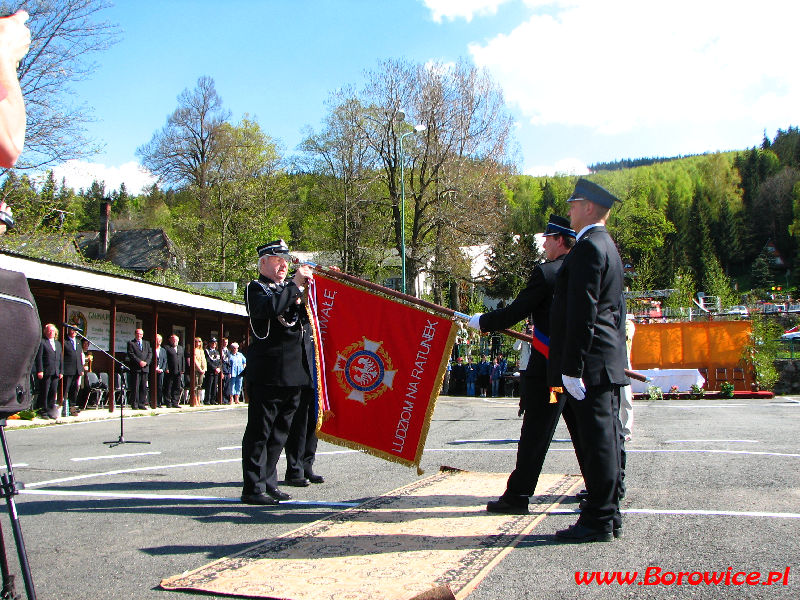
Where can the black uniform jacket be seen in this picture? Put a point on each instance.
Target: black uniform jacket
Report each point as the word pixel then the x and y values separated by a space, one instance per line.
pixel 533 301
pixel 281 349
pixel 587 320
pixel 72 357
pixel 48 361
pixel 175 361
pixel 135 355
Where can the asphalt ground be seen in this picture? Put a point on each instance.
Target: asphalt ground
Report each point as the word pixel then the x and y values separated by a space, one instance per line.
pixel 712 486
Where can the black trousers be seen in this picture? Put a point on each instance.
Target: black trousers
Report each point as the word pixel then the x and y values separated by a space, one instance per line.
pixel 269 418
pixel 173 384
pixel 538 426
pixel 137 388
pixel 211 387
pixel 160 389
pixel 48 393
pixel 71 388
pixel 301 445
pixel 599 433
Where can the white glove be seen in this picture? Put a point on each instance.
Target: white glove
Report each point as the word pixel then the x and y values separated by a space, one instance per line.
pixel 574 386
pixel 475 321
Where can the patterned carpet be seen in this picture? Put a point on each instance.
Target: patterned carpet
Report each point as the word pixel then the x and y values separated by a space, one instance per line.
pixel 430 539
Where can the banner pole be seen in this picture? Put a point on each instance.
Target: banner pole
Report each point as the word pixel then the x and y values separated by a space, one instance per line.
pixel 449 312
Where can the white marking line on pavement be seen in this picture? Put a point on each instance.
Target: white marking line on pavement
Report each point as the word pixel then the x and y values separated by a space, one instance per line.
pixel 120 495
pixel 112 456
pixel 641 450
pixel 480 440
pixel 15 465
pixel 713 513
pixel 135 470
pixel 690 406
pixel 223 448
pixel 691 441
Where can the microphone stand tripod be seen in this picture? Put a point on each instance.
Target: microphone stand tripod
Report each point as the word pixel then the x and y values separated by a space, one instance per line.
pixel 9 490
pixel 123 369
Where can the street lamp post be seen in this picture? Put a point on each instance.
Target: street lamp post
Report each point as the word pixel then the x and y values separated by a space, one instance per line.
pixel 417 129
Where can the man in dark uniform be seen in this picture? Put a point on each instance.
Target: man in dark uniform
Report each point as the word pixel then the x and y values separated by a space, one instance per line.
pixel 214 363
pixel 301 445
pixel 73 369
pixel 139 357
pixel 49 369
pixel 278 369
pixel 588 357
pixel 540 416
pixel 173 373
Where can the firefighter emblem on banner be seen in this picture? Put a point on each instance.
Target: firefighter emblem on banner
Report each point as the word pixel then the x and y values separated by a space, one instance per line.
pixel 364 371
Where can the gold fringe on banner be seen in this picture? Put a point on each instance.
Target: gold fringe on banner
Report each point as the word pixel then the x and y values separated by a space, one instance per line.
pixel 437 387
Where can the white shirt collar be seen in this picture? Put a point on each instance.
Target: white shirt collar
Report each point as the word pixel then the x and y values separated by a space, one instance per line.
pixel 587 228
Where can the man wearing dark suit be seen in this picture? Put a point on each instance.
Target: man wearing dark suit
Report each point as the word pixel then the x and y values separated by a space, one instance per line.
pixel 49 369
pixel 161 364
pixel 540 416
pixel 139 358
pixel 213 372
pixel 278 369
pixel 73 369
pixel 173 373
pixel 588 358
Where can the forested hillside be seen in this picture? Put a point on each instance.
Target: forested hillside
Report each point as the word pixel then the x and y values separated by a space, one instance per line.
pixel 706 222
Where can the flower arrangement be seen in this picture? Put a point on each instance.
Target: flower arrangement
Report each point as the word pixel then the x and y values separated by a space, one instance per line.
pixel 726 390
pixel 654 393
pixel 697 391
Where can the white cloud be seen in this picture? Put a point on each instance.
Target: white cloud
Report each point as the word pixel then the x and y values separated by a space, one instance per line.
pixel 463 9
pixel 565 166
pixel 81 174
pixel 619 65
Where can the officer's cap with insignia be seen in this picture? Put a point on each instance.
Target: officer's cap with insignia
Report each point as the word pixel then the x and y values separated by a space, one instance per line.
pixel 274 248
pixel 588 190
pixel 558 226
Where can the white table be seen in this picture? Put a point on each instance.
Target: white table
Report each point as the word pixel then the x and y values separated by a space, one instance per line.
pixel 666 378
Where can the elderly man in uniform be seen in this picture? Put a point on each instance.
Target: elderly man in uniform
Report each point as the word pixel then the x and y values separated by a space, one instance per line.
pixel 588 358
pixel 540 416
pixel 278 370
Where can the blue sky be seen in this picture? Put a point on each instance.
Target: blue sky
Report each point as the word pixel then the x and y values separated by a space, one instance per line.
pixel 587 81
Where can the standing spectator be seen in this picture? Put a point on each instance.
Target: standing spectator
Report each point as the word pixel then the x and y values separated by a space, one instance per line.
pixel 225 353
pixel 200 367
pixel 173 374
pixel 280 358
pixel 139 358
pixel 495 375
pixel 587 357
pixel 49 367
pixel 214 363
pixel 471 376
pixel 484 370
pixel 73 368
pixel 458 378
pixel 161 366
pixel 626 393
pixel 236 364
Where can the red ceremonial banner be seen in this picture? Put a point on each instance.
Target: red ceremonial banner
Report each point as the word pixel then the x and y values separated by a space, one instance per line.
pixel 382 365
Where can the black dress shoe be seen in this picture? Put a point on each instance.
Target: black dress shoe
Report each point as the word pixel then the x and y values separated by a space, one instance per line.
pixel 297 482
pixel 582 495
pixel 506 508
pixel 313 478
pixel 277 494
pixel 580 533
pixel 259 499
